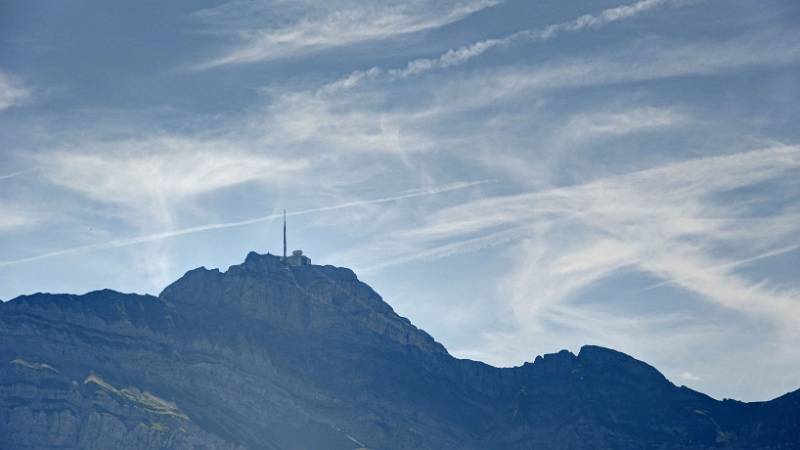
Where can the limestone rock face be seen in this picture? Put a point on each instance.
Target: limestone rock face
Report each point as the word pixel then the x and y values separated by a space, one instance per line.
pixel 270 356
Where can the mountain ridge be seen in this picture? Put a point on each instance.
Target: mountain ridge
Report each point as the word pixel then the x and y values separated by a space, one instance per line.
pixel 266 355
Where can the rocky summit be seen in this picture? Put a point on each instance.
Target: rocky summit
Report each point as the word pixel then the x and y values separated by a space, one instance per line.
pixel 271 356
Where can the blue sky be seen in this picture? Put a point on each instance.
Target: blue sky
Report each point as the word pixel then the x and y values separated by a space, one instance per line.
pixel 516 177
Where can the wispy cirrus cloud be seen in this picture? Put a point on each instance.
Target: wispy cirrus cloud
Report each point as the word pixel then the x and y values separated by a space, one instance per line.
pixel 135 173
pixel 145 183
pixel 15 174
pixel 13 91
pixel 356 119
pixel 618 123
pixel 667 221
pixel 684 223
pixel 160 236
pixel 640 62
pixel 148 176
pixel 461 55
pixel 14 217
pixel 309 26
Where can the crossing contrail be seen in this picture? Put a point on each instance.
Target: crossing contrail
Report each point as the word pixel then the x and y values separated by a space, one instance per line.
pixel 116 243
pixel 733 264
pixel 15 174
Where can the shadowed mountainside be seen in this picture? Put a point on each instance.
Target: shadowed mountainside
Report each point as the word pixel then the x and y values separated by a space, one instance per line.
pixel 268 356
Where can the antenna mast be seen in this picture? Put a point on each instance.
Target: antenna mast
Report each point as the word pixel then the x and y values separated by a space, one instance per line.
pixel 284 235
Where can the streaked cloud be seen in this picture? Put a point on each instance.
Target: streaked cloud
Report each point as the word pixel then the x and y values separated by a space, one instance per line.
pixel 147 182
pixel 117 243
pixel 461 55
pixel 136 172
pixel 638 63
pixel 309 26
pixel 15 174
pixel 13 218
pixel 664 221
pixel 624 122
pixel 13 91
pixel 678 223
pixel 357 120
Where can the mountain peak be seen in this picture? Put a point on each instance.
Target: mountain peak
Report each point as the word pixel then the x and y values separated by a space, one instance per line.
pixel 287 355
pixel 606 360
pixel 264 292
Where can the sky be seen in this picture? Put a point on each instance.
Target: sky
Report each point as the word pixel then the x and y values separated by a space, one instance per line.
pixel 516 177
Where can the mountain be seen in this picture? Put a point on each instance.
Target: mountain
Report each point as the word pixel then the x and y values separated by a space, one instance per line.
pixel 270 356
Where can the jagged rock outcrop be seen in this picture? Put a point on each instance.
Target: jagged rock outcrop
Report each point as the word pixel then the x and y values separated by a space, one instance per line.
pixel 267 356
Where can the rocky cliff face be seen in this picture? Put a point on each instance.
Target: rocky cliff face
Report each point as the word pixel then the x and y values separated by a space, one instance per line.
pixel 266 356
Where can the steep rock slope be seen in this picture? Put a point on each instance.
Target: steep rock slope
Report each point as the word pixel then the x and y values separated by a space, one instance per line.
pixel 267 356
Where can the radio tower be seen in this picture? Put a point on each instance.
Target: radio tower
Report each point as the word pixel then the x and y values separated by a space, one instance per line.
pixel 284 235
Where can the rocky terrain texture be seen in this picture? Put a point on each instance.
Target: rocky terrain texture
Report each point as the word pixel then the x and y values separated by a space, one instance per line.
pixel 267 356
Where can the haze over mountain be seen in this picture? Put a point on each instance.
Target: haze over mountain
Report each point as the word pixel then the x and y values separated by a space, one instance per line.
pixel 268 355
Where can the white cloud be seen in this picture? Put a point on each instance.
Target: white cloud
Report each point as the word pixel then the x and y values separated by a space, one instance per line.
pixel 135 173
pixel 15 174
pixel 352 124
pixel 13 92
pixel 606 16
pixel 314 26
pixel 461 55
pixel 147 181
pixel 13 218
pixel 664 221
pixel 342 118
pixel 615 123
pixel 163 235
pixel 642 61
pixel 675 222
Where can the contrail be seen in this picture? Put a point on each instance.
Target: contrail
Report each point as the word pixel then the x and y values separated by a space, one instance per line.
pixel 216 226
pixel 733 264
pixel 459 56
pixel 14 174
pixel 455 248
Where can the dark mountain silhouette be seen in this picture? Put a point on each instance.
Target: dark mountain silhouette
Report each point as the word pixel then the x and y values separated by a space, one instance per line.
pixel 267 356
